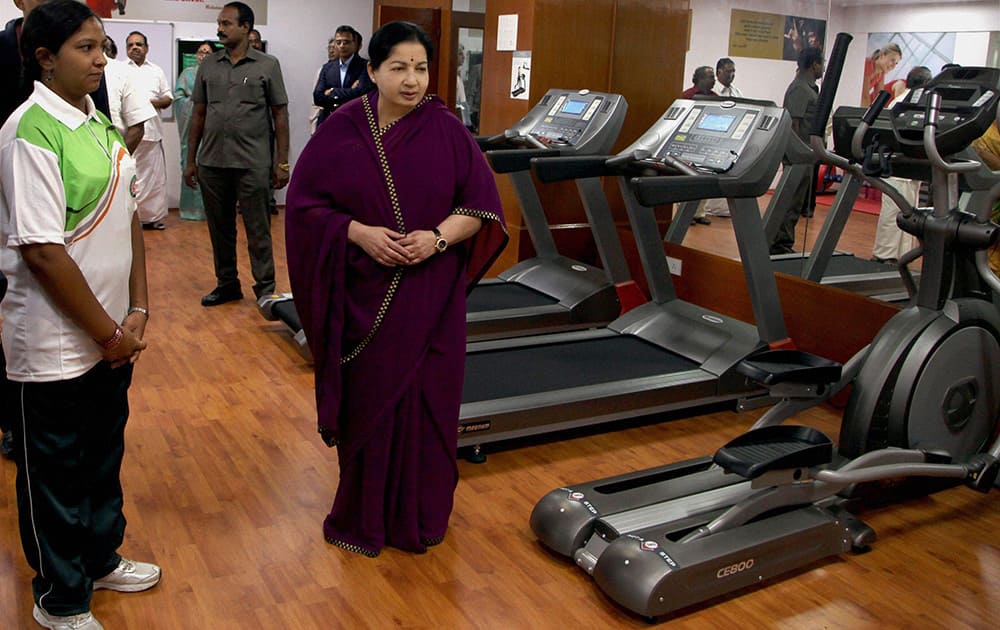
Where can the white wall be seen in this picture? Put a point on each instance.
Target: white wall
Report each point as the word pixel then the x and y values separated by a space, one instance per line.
pixel 296 33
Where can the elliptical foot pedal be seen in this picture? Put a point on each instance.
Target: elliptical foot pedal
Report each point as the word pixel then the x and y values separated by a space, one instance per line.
pixel 774 448
pixel 772 367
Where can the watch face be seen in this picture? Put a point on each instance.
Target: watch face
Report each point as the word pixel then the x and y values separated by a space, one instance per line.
pixel 441 244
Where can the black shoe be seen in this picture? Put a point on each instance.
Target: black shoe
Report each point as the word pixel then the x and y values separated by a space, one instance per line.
pixel 885 261
pixel 807 213
pixel 701 221
pixel 155 225
pixel 221 295
pixel 7 445
pixel 779 250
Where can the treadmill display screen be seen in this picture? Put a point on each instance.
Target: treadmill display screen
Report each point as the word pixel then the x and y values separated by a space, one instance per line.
pixel 716 122
pixel 573 108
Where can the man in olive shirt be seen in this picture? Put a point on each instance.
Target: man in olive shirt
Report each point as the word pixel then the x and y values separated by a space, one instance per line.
pixel 237 93
pixel 800 102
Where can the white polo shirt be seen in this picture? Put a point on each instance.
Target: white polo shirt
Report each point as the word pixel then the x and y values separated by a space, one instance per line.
pixel 67 178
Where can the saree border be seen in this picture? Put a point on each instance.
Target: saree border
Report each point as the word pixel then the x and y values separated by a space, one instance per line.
pixel 397 212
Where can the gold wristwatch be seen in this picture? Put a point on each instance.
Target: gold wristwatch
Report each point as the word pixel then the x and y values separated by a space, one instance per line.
pixel 440 244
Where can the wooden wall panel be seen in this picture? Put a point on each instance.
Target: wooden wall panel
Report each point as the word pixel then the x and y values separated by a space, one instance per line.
pixel 498 111
pixel 651 40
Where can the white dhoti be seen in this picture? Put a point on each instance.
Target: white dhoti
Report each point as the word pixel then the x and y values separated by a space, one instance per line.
pixel 890 241
pixel 151 181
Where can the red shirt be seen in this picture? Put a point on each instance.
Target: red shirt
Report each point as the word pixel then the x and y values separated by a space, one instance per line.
pixel 691 91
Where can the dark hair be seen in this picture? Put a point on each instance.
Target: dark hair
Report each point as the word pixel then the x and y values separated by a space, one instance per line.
pixel 344 28
pixel 388 35
pixel 700 73
pixel 48 26
pixel 722 63
pixel 245 14
pixel 145 42
pixel 206 42
pixel 253 30
pixel 809 56
pixel 112 45
pixel 917 76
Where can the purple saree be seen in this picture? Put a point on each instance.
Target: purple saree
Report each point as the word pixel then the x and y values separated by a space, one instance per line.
pixel 388 343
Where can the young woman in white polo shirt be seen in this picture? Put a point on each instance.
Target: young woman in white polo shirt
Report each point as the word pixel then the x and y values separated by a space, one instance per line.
pixel 74 316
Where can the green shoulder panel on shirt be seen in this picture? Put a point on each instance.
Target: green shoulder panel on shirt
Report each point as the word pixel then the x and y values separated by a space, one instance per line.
pixel 84 164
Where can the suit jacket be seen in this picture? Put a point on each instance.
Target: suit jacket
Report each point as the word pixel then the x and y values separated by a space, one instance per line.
pixel 13 92
pixel 329 77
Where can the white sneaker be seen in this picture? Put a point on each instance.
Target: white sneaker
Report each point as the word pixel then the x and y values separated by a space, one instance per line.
pixel 130 576
pixel 83 621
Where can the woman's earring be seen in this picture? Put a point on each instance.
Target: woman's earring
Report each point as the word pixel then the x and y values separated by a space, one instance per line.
pixel 48 77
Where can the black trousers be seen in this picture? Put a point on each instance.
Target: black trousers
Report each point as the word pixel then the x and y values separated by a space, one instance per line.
pixel 69 441
pixel 222 189
pixel 803 202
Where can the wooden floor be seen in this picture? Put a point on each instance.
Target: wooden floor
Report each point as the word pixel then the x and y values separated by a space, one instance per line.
pixel 227 484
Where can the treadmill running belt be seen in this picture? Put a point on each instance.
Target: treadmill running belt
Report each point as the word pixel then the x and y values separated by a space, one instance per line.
pixel 838 266
pixel 550 367
pixel 508 295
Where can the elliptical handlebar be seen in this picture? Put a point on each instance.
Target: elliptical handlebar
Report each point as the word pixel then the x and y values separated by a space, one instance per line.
pixel 825 106
pixel 833 70
pixel 930 144
pixel 858 139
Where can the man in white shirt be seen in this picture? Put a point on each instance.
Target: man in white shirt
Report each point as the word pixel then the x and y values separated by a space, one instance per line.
pixel 725 72
pixel 129 109
pixel 151 170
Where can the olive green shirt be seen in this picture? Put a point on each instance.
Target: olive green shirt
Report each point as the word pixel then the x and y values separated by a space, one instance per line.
pixel 238 102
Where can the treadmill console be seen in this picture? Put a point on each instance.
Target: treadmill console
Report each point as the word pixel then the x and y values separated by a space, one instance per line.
pixel 575 121
pixel 710 136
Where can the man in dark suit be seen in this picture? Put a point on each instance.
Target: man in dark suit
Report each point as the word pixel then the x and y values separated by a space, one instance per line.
pixel 346 77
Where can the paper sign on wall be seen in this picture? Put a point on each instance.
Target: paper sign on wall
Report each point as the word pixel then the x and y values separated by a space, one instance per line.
pixel 507 32
pixel 520 75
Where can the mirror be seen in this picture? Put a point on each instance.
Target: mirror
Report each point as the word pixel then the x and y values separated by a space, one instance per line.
pixel 469 76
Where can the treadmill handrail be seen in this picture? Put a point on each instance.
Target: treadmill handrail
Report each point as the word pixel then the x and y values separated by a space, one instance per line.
pixel 658 190
pixel 513 160
pixel 564 167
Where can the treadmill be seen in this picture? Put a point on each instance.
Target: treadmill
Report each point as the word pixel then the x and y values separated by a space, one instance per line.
pixel 550 292
pixel 824 264
pixel 666 354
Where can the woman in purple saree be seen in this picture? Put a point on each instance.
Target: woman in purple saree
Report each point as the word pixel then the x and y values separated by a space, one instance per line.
pixel 392 216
